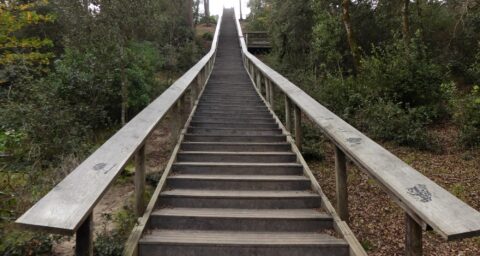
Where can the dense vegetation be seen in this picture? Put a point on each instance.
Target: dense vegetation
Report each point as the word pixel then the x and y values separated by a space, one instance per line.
pixel 71 73
pixel 391 68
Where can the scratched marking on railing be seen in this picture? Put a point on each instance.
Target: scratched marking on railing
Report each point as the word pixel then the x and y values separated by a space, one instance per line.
pixel 354 141
pixel 421 193
pixel 101 166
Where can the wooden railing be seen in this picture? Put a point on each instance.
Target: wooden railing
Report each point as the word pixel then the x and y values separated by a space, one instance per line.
pixel 257 40
pixel 426 204
pixel 67 208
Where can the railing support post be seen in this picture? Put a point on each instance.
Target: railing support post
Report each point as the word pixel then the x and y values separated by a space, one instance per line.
pixel 272 95
pixel 288 114
pixel 341 184
pixel 267 90
pixel 139 181
pixel 298 127
pixel 84 238
pixel 259 81
pixel 413 237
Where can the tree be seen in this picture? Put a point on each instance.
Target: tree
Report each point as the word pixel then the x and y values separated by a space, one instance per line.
pixel 350 35
pixel 206 5
pixel 22 54
pixel 406 21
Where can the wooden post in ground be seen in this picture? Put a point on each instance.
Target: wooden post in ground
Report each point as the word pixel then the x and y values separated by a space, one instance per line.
pixel 298 127
pixel 84 238
pixel 272 95
pixel 288 114
pixel 413 237
pixel 341 184
pixel 259 82
pixel 140 181
pixel 267 90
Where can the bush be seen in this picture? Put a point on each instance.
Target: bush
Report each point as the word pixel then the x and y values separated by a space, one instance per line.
pixel 468 117
pixel 207 36
pixel 405 75
pixel 25 244
pixel 390 121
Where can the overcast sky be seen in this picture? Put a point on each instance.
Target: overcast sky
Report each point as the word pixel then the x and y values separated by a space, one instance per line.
pixel 216 6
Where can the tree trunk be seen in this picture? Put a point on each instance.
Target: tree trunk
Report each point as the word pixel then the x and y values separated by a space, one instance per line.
pixel 197 12
pixel 206 5
pixel 406 21
pixel 350 35
pixel 190 14
pixel 124 87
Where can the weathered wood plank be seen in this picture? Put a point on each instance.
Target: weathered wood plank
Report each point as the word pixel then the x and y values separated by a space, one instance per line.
pixel 341 184
pixel 69 203
pixel 413 237
pixel 139 181
pixel 84 238
pixel 446 214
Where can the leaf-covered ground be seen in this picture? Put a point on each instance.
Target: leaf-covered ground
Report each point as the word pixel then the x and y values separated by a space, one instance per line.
pixel 379 223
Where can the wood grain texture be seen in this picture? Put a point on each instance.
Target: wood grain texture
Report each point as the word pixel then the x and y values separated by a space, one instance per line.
pixel 442 211
pixel 69 203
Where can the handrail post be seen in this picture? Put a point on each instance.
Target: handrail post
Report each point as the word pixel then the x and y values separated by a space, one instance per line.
pixel 272 95
pixel 259 82
pixel 341 184
pixel 288 114
pixel 298 127
pixel 140 181
pixel 84 238
pixel 413 237
pixel 267 90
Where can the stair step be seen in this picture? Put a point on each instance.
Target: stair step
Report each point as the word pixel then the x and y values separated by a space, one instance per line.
pixel 264 114
pixel 236 146
pixel 233 131
pixel 234 112
pixel 233 119
pixel 212 243
pixel 195 198
pixel 306 220
pixel 238 182
pixel 238 168
pixel 245 157
pixel 234 138
pixel 233 125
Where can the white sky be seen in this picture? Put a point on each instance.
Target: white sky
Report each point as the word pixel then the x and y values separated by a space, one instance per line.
pixel 216 6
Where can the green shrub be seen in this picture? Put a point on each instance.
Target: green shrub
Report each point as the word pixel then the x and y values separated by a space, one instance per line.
pixel 208 36
pixel 312 144
pixel 390 121
pixel 22 243
pixel 468 117
pixel 211 20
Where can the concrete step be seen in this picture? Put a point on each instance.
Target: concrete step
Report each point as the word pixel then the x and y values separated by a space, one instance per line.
pixel 237 168
pixel 278 220
pixel 233 125
pixel 213 243
pixel 238 182
pixel 236 146
pixel 239 199
pixel 242 157
pixel 234 138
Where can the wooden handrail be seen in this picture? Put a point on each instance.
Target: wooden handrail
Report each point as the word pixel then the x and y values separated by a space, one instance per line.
pixel 70 203
pixel 425 202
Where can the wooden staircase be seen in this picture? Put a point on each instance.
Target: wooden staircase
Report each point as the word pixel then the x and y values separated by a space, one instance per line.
pixel 236 187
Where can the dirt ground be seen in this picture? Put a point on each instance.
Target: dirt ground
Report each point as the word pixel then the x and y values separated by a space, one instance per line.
pixel 378 222
pixel 158 151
